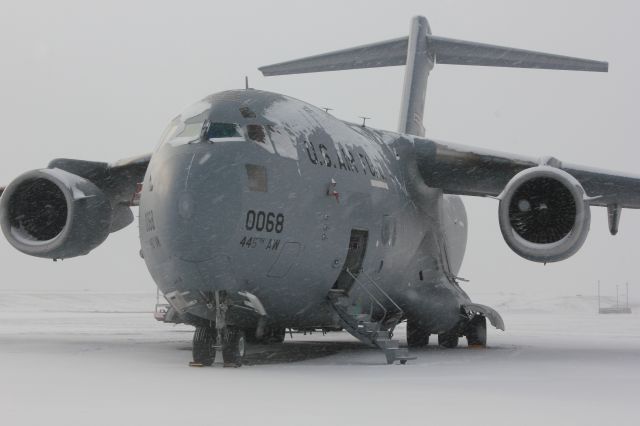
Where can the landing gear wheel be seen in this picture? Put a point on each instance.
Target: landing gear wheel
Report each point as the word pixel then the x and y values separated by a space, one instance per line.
pixel 234 348
pixel 417 336
pixel 477 332
pixel 448 340
pixel 203 351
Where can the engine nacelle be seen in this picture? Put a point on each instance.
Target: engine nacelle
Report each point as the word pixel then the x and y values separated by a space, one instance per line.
pixel 54 214
pixel 543 214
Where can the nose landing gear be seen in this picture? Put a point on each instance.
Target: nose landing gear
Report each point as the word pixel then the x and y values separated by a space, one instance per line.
pixel 233 349
pixel 210 337
pixel 230 341
pixel 204 351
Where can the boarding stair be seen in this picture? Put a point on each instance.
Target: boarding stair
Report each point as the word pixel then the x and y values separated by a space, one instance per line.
pixel 370 315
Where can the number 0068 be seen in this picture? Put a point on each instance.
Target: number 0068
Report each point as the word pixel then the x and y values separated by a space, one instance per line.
pixel 264 221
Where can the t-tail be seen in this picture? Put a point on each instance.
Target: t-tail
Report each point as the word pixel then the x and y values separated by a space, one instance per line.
pixel 420 51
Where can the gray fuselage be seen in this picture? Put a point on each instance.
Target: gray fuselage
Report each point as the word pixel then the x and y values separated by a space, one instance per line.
pixel 269 208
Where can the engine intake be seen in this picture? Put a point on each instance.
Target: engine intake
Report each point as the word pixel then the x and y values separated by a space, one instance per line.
pixel 543 214
pixel 54 214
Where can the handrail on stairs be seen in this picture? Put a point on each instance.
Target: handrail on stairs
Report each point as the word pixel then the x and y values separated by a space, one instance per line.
pixel 371 295
pixel 384 293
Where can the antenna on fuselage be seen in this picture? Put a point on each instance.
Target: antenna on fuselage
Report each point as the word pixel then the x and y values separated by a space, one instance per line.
pixel 364 121
pixel 327 109
pixel 246 82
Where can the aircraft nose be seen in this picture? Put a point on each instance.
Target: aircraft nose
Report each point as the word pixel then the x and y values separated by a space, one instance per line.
pixel 194 199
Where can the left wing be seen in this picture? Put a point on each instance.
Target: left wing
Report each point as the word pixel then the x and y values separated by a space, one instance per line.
pixel 544 211
pixel 465 170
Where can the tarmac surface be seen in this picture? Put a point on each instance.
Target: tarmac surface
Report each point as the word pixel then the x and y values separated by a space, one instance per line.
pixel 66 360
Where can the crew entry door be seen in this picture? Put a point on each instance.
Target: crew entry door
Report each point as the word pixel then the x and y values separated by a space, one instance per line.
pixel 354 260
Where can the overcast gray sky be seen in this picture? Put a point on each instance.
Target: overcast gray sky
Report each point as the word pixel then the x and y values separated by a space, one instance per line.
pixel 99 81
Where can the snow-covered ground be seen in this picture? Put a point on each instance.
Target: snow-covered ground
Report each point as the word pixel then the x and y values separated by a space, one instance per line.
pixel 101 359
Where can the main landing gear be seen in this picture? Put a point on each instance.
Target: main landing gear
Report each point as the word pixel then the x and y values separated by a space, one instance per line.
pixel 477 332
pixel 417 334
pixel 448 340
pixel 474 329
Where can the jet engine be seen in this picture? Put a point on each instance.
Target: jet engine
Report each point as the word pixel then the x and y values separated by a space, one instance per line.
pixel 544 214
pixel 54 214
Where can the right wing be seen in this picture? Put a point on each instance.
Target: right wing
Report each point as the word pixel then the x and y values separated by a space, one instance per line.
pixel 119 180
pixel 70 207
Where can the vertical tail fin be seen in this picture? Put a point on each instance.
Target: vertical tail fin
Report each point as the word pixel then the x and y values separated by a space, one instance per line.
pixel 419 52
pixel 419 63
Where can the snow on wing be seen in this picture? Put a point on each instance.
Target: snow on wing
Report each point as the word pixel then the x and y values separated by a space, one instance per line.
pixel 466 170
pixel 119 179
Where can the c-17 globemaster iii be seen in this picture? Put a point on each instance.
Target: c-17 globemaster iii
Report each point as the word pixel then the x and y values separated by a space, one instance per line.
pixel 259 212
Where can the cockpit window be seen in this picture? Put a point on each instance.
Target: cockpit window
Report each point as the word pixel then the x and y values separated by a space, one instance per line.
pixel 170 131
pixel 194 126
pixel 187 127
pixel 191 130
pixel 256 133
pixel 223 130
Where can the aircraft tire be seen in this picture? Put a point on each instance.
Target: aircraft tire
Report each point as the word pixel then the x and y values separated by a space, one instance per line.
pixel 448 340
pixel 477 331
pixel 234 348
pixel 203 340
pixel 417 336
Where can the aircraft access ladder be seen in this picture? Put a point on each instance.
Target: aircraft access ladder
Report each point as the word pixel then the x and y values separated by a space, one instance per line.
pixel 374 327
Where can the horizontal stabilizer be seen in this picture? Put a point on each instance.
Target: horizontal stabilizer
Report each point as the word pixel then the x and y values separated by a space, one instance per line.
pixel 442 50
pixel 383 54
pixel 459 52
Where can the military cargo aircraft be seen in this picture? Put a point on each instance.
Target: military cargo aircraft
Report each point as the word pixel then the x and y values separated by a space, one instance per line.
pixel 260 213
